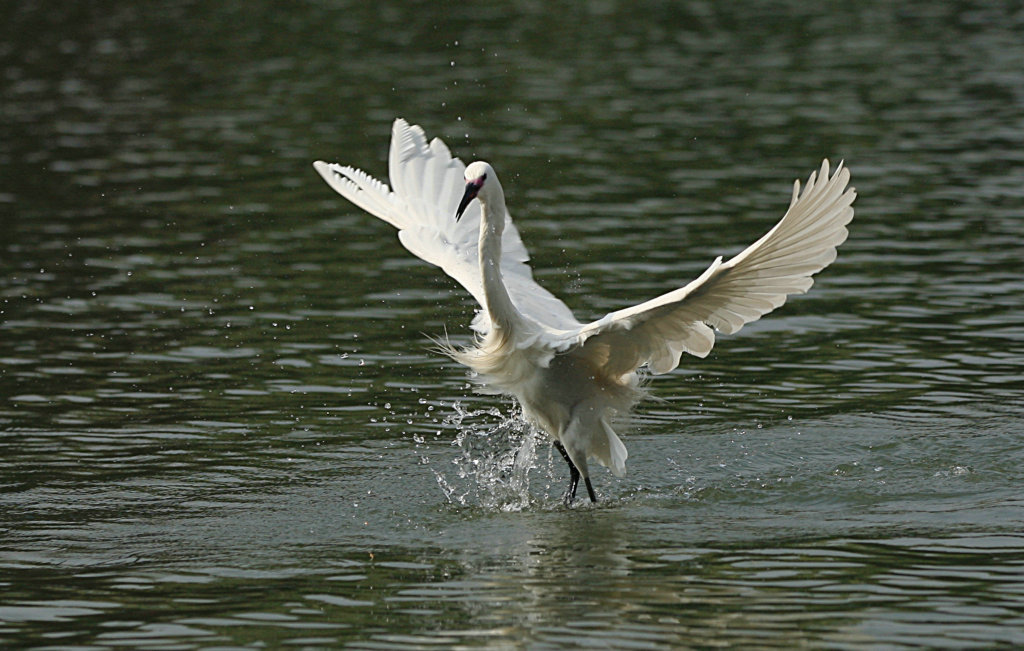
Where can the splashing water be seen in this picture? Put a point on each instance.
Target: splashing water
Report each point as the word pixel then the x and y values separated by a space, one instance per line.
pixel 492 469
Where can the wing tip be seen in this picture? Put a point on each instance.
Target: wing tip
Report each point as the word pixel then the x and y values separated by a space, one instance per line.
pixel 324 169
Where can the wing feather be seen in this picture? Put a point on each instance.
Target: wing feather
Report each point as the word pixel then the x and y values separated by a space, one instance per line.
pixel 427 184
pixel 727 296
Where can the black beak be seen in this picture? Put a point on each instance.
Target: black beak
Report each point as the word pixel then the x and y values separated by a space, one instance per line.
pixel 471 191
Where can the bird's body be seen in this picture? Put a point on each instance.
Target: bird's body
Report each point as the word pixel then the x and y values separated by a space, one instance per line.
pixel 572 379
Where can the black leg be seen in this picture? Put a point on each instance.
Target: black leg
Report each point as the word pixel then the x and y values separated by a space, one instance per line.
pixel 574 482
pixel 574 474
pixel 565 455
pixel 574 477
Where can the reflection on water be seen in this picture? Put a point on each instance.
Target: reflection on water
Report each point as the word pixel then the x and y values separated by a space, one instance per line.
pixel 220 423
pixel 574 581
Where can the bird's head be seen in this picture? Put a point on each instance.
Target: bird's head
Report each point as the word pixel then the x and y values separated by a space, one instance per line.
pixel 480 178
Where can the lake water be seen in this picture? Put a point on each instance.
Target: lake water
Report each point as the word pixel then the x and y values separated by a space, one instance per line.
pixel 221 424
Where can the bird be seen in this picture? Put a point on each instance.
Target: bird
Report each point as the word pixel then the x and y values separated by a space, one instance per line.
pixel 575 380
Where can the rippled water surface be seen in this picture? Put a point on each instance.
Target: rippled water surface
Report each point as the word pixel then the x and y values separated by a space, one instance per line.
pixel 221 423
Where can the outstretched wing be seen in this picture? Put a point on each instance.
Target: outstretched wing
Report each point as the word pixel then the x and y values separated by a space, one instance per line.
pixel 728 295
pixel 427 186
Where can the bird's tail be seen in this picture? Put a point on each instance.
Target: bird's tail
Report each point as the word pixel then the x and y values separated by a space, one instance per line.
pixel 594 438
pixel 616 459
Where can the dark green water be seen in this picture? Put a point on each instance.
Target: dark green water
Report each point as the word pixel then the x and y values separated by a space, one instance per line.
pixel 221 426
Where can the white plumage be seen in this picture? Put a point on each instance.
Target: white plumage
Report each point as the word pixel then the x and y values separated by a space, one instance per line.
pixel 574 379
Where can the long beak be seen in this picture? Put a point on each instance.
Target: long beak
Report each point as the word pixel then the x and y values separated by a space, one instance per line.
pixel 471 191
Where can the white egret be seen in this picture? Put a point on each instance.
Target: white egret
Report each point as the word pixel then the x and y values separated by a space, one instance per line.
pixel 574 379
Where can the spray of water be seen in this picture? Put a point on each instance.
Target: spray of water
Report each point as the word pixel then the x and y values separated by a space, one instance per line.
pixel 497 453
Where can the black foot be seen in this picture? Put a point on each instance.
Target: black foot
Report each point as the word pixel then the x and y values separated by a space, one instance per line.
pixel 574 478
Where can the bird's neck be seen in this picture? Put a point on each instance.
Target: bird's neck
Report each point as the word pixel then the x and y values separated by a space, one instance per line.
pixel 499 305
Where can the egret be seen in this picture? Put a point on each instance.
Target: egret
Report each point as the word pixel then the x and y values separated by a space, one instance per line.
pixel 575 380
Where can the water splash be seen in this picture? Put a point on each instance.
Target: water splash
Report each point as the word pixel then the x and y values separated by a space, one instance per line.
pixel 495 459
